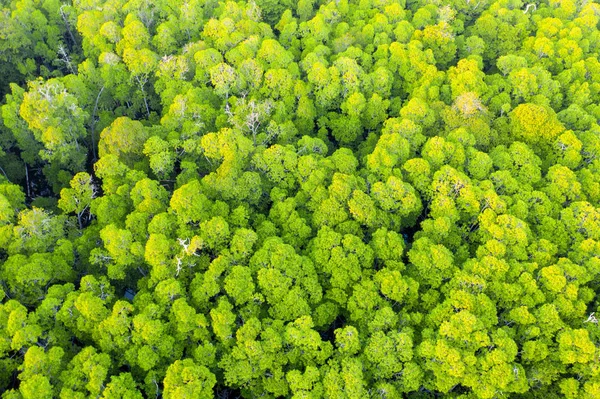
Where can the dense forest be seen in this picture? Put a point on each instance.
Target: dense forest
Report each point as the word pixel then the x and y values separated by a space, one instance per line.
pixel 299 199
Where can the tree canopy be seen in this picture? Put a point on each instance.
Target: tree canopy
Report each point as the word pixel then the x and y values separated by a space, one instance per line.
pixel 313 199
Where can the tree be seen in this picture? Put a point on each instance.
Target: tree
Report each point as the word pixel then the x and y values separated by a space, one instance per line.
pixel 440 39
pixel 190 204
pixel 121 386
pixel 438 152
pixel 344 379
pixel 432 263
pixel 78 198
pixel 305 344
pixel 388 352
pixel 575 346
pixel 253 363
pixel 399 199
pixel 29 276
pixel 186 379
pixel 161 157
pixel 86 373
pixel 523 164
pixel 125 139
pixel 239 285
pixel 40 371
pixel 287 280
pixel 61 130
pixel 120 251
pixel 347 340
pixel 527 120
pixel 391 150
pixel 342 258
pixel 115 333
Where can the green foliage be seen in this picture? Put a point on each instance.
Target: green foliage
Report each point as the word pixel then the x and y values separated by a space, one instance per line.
pixel 312 199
